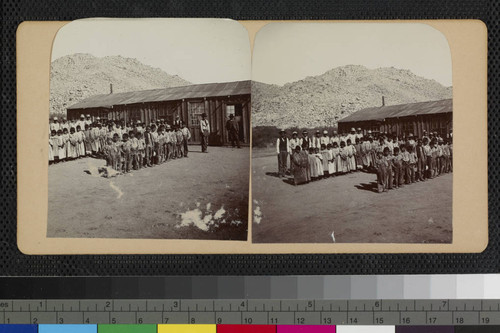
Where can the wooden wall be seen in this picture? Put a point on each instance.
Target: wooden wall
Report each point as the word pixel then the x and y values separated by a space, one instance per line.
pixel 441 123
pixel 214 107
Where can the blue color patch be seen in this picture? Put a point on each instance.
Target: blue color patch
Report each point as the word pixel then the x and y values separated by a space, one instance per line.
pixel 67 328
pixel 18 328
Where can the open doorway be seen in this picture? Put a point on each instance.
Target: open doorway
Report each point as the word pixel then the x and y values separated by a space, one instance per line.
pixel 237 111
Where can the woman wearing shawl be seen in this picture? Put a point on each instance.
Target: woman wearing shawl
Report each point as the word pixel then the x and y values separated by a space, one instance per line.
pixel 300 161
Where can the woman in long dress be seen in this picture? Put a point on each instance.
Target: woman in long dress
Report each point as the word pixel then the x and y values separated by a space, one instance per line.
pixel 300 161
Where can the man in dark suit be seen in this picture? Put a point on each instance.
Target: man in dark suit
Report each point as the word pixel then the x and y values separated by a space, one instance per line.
pixel 233 131
pixel 178 122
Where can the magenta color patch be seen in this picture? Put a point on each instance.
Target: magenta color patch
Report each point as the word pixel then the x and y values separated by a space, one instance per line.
pixel 306 329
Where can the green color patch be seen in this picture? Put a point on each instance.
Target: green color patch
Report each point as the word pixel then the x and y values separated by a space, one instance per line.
pixel 126 328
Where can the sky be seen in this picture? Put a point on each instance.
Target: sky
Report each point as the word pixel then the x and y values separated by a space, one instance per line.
pixel 288 52
pixel 197 50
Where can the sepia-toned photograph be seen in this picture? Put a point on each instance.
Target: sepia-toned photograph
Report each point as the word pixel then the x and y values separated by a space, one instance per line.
pixel 352 134
pixel 149 130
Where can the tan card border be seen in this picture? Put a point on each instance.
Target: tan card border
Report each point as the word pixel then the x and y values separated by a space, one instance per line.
pixel 468 44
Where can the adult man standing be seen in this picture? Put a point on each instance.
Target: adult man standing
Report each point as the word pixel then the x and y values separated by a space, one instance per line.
pixel 316 140
pixel 178 122
pixel 305 141
pixel 282 151
pixel 204 132
pixel 233 131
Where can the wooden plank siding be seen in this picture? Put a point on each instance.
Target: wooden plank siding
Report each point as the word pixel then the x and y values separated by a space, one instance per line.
pixel 214 107
pixel 417 124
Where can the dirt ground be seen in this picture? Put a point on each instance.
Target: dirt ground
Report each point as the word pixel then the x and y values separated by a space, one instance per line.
pixel 349 206
pixel 204 196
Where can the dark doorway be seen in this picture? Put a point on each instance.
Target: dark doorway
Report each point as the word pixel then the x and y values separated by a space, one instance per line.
pixel 238 114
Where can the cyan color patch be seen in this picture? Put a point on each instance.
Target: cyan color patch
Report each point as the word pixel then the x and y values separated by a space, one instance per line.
pixel 67 328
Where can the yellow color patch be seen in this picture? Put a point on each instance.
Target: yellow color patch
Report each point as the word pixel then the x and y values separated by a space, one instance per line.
pixel 186 328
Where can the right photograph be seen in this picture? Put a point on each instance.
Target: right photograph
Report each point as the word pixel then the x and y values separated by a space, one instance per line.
pixel 352 134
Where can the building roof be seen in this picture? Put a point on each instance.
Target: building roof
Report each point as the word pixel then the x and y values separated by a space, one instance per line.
pixel 402 110
pixel 165 94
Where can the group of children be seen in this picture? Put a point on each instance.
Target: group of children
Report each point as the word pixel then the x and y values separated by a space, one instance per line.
pixel 124 148
pixel 396 161
pixel 407 164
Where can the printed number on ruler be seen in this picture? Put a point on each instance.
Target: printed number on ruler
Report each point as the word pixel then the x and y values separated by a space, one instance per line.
pixel 252 312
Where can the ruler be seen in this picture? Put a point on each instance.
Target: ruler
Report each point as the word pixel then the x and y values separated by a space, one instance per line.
pixel 251 311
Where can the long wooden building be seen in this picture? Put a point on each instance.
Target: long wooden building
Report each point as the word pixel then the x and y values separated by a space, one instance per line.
pixel 403 119
pixel 217 100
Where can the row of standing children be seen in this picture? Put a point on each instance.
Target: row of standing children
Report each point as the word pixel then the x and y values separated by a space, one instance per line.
pixel 123 150
pixel 66 145
pixel 408 164
pixel 154 147
pixel 332 160
pixel 409 160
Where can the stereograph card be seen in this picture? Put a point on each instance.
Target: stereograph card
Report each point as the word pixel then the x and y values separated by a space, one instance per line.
pixel 252 136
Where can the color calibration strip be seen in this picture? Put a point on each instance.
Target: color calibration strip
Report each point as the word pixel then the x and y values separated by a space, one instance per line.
pixel 342 287
pixel 242 329
pixel 254 312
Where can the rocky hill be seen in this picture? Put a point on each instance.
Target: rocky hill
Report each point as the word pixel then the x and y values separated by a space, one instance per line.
pixel 324 99
pixel 78 76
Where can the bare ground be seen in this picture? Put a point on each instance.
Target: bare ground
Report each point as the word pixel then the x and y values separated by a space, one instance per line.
pixel 152 202
pixel 349 206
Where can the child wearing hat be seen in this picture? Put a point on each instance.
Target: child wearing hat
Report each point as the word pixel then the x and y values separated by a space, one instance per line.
pixel 282 151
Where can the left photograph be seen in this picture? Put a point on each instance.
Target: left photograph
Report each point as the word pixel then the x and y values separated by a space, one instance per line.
pixel 149 130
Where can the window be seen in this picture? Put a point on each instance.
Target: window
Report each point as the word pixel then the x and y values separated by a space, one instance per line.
pixel 195 110
pixel 229 110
